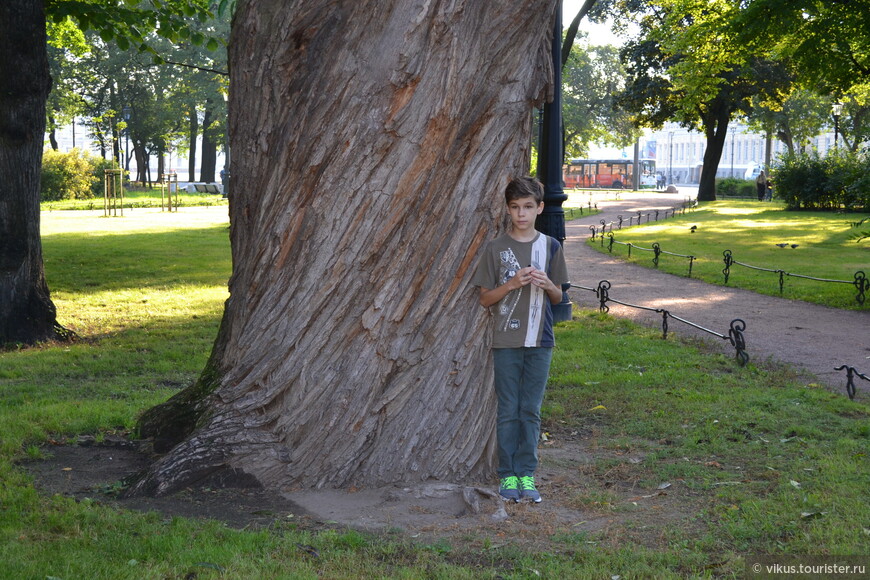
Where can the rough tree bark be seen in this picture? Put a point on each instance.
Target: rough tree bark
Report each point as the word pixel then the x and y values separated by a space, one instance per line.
pixel 27 314
pixel 371 142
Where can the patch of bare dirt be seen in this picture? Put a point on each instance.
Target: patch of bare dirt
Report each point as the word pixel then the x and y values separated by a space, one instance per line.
pixel 580 501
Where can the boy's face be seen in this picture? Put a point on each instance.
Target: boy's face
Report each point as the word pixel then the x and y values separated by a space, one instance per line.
pixel 523 212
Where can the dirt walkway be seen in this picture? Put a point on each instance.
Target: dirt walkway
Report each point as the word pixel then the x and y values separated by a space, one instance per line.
pixel 809 337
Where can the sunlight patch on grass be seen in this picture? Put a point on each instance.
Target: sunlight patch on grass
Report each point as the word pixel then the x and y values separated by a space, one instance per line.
pixel 731 210
pixel 112 310
pixel 93 223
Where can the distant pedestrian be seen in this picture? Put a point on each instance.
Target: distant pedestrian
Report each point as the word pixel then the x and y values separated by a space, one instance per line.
pixel 761 185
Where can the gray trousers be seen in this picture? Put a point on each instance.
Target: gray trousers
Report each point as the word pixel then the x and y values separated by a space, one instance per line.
pixel 520 381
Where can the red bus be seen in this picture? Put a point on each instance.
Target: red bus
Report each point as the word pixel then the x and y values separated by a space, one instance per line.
pixel 609 173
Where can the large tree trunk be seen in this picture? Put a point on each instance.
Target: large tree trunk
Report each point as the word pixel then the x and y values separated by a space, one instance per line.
pixel 27 314
pixel 371 143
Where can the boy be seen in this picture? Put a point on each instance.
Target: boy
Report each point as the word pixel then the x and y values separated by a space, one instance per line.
pixel 522 271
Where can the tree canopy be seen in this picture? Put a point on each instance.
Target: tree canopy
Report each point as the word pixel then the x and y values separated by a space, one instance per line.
pixel 826 47
pixel 799 118
pixel 702 63
pixel 134 23
pixel 827 43
pixel 686 65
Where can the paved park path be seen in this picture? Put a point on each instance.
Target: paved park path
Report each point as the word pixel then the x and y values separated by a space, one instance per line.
pixel 807 336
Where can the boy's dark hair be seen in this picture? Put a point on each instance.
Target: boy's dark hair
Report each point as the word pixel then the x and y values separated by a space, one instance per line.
pixel 520 187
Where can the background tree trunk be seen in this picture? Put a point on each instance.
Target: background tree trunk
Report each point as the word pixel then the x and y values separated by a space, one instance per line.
pixel 161 164
pixel 785 136
pixel 208 165
pixel 27 314
pixel 193 131
pixel 371 144
pixel 142 160
pixel 52 133
pixel 715 123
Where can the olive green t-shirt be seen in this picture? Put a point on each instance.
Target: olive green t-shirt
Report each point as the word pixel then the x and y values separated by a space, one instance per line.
pixel 524 317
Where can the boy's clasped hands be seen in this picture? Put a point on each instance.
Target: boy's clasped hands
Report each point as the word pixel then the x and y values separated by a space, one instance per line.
pixel 531 275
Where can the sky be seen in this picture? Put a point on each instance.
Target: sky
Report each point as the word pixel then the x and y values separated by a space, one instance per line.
pixel 599 34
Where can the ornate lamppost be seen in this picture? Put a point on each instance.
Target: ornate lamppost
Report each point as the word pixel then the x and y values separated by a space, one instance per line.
pixel 550 160
pixel 836 109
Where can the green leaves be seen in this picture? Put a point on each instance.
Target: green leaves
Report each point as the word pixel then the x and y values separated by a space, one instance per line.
pixel 828 43
pixel 591 77
pixel 133 22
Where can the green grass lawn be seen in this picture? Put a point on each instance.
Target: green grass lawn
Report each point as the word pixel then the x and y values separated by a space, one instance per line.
pixel 579 204
pixel 767 464
pixel 752 231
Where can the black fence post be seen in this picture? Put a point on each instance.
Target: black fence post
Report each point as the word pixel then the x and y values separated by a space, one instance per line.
pixel 729 259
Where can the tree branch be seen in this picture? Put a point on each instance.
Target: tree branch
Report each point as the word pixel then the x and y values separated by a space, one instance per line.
pixel 571 33
pixel 195 67
pixel 865 71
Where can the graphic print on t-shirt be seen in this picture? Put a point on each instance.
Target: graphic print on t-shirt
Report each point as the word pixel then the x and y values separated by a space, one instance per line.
pixel 536 300
pixel 508 269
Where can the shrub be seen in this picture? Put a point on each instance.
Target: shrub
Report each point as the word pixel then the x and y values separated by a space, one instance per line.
pixel 735 187
pixel 856 183
pixel 73 175
pixel 100 164
pixel 65 176
pixel 837 181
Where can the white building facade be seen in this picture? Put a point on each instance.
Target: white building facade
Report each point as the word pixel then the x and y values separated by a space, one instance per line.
pixel 679 152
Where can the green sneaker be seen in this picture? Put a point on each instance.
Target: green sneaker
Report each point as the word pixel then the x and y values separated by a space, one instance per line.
pixel 527 489
pixel 509 489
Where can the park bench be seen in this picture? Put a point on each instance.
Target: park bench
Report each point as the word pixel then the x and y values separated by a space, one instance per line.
pixel 204 188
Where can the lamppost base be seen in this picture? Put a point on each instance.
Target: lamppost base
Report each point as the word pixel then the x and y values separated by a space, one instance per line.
pixel 563 311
